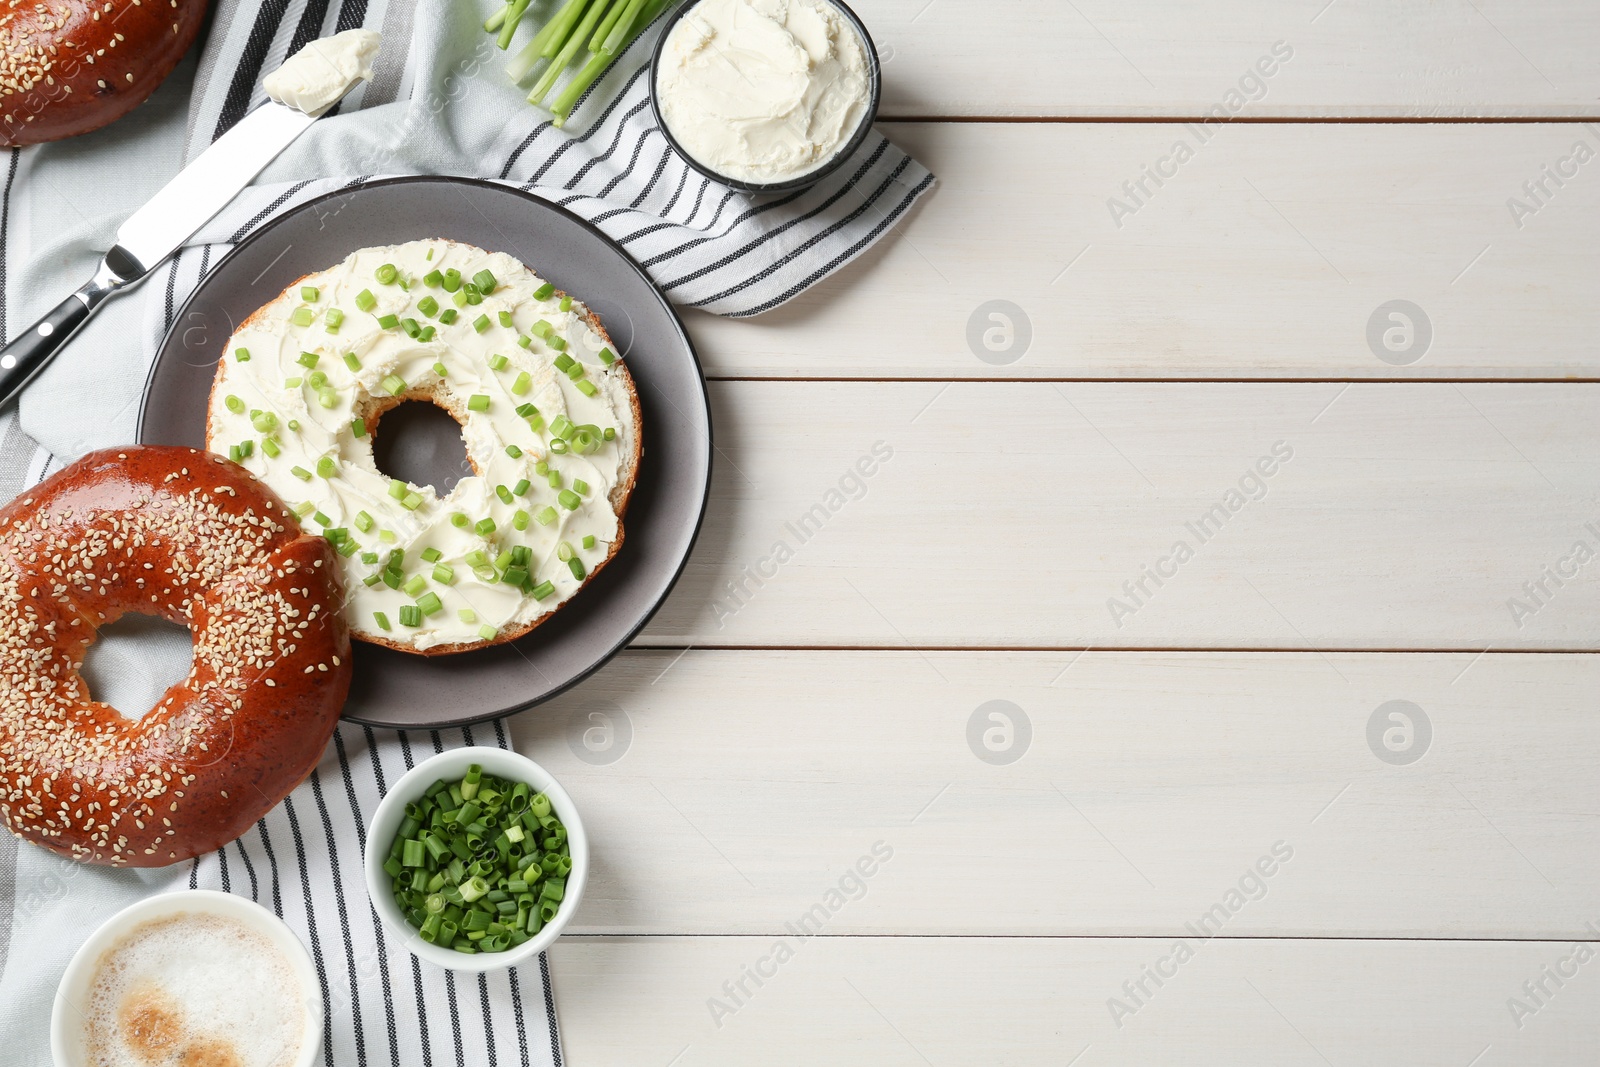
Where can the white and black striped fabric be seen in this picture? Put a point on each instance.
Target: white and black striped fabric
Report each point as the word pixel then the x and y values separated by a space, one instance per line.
pixel 437 103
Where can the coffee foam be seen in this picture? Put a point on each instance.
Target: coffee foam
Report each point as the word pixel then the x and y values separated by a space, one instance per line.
pixel 194 990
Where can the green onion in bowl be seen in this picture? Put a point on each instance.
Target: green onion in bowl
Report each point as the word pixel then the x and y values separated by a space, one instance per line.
pixel 479 864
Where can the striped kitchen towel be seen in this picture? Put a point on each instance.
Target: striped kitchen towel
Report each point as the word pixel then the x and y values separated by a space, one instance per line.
pixel 438 103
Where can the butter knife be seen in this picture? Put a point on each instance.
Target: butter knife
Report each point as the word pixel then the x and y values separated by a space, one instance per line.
pixel 155 231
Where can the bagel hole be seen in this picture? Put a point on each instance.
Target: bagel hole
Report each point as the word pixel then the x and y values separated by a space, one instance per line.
pixel 135 660
pixel 419 442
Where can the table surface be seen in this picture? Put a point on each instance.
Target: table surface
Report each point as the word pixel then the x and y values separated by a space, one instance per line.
pixel 1122 634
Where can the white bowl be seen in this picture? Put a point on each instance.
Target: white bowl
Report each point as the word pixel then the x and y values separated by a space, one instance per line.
pixel 67 1030
pixel 450 766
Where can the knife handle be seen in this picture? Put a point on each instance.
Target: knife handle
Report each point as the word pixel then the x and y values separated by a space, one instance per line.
pixel 30 351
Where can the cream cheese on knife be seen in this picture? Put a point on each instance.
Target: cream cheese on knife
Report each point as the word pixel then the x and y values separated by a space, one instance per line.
pixel 316 77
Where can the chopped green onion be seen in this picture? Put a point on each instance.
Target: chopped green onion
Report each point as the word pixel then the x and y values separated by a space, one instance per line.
pixel 505 319
pixel 387 274
pixel 459 520
pixel 543 589
pixel 485 281
pixel 521 488
pixel 410 615
pixel 388 322
pixel 270 446
pixel 519 519
pixel 478 402
pixel 327 467
pixel 484 527
pixel 322 520
pixel 234 404
pixel 300 472
pixel 588 540
pixel 481 323
pixel 610 433
pixel 544 291
pixel 398 489
pixel 444 574
pixel 358 427
pixel 448 316
pixel 555 480
pixel 364 522
pixel 428 306
pixel 333 318
pixel 414 585
pixel 302 316
pixel 545 516
pixel 452 280
pixel 504 494
pixel 499 362
pixel 564 551
pixel 432 555
pixel 580 486
pixel 309 293
pixel 382 620
pixel 365 300
pixel 352 361
pixel 433 277
pixel 242 355
pixel 587 388
pixel 514 451
pixel 487 632
pixel 394 384
pixel 606 357
pixel 566 303
pixel 569 499
pixel 523 383
pixel 430 604
pixel 411 326
pixel 412 502
pixel 576 566
pixel 467 615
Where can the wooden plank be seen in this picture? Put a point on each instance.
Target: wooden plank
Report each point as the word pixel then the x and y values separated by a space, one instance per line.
pixel 743 788
pixel 917 1002
pixel 1267 255
pixel 1321 58
pixel 1407 516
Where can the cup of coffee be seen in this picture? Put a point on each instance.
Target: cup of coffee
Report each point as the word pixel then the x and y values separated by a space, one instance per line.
pixel 189 977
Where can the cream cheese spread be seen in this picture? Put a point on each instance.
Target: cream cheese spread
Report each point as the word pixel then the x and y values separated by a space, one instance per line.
pixel 519 369
pixel 763 91
pixel 317 77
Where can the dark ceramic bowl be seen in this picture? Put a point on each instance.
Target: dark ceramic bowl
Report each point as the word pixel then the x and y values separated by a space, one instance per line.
pixel 811 177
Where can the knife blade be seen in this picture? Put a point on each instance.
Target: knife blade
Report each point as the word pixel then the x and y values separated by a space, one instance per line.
pixel 155 231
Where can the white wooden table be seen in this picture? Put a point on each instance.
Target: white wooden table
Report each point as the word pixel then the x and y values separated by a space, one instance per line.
pixel 1366 491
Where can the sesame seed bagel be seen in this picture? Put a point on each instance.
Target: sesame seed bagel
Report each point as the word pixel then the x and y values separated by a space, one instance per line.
pixel 190 537
pixel 71 66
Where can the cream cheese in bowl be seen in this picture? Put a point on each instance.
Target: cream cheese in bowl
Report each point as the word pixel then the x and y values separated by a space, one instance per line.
pixel 765 94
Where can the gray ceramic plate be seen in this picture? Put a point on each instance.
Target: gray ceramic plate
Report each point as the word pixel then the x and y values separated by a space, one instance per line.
pixel 405 691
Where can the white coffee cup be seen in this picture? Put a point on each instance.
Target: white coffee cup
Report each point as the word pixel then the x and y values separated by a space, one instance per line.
pixel 69 1030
